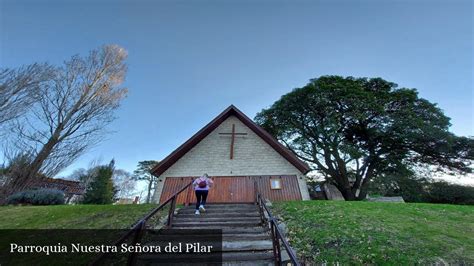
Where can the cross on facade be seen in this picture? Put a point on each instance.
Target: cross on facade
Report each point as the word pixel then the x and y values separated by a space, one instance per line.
pixel 232 135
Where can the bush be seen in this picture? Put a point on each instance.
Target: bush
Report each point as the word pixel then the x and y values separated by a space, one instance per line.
pixel 412 189
pixel 423 190
pixel 101 190
pixel 400 183
pixel 37 197
pixel 444 192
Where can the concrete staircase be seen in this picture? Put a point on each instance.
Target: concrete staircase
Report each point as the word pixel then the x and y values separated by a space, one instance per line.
pixel 245 240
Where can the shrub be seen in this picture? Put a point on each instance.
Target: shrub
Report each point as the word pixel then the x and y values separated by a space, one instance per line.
pixel 101 190
pixel 412 190
pixel 401 182
pixel 423 190
pixel 40 196
pixel 444 192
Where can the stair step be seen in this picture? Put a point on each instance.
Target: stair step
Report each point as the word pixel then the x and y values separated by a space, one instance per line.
pixel 213 205
pixel 227 246
pixel 257 236
pixel 217 215
pixel 200 219
pixel 228 258
pixel 222 206
pixel 229 230
pixel 247 256
pixel 206 225
pixel 207 231
pixel 222 210
pixel 244 240
pixel 203 237
pixel 247 245
pixel 267 262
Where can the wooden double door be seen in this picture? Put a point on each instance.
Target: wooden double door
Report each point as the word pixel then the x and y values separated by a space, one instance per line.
pixel 237 189
pixel 234 189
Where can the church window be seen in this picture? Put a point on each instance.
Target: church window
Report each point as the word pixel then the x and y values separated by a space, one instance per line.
pixel 275 183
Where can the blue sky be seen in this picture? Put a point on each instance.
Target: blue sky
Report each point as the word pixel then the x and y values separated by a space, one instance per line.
pixel 189 60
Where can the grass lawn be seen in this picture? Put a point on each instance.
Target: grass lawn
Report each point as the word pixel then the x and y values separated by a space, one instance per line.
pixel 72 216
pixel 66 217
pixel 379 233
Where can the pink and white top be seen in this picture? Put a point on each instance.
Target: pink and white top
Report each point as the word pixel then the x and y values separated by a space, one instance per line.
pixel 202 178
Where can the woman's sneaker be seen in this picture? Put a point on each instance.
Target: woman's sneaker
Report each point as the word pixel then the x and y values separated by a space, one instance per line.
pixel 197 212
pixel 201 207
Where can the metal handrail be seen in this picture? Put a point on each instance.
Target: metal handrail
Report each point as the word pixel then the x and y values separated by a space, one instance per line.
pixel 275 231
pixel 140 225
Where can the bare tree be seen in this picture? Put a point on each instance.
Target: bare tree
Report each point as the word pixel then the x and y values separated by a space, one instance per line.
pixel 124 183
pixel 19 89
pixel 71 115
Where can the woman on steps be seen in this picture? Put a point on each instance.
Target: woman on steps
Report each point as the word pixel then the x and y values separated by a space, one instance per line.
pixel 201 188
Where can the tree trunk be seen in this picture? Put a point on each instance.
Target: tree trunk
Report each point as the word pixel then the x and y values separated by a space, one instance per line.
pixel 347 193
pixel 362 194
pixel 363 190
pixel 36 164
pixel 150 182
pixel 27 177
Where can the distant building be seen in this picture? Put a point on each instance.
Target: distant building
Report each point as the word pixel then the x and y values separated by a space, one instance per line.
pixel 73 190
pixel 121 201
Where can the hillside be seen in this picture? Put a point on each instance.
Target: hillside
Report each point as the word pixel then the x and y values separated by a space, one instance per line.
pixel 320 231
pixel 376 233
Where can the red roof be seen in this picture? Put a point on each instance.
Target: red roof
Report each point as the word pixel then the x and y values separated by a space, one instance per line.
pixel 67 186
pixel 201 134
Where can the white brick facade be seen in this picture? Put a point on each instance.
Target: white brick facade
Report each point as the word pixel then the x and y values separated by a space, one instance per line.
pixel 252 156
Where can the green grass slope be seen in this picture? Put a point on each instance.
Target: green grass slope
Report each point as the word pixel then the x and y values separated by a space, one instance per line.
pixel 64 217
pixel 379 233
pixel 72 216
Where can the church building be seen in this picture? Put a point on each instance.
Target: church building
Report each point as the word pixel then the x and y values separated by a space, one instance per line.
pixel 239 156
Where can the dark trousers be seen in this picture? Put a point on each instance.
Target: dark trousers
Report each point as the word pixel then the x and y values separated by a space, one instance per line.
pixel 201 196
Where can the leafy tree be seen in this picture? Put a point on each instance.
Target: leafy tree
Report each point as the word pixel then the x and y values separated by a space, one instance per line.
pixel 101 190
pixel 86 175
pixel 124 183
pixel 354 129
pixel 143 173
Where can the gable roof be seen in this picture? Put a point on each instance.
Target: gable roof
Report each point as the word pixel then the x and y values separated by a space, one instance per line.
pixel 67 186
pixel 206 130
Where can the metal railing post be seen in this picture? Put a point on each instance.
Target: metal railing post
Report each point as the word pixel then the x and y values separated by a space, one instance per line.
pixel 277 242
pixel 274 239
pixel 255 191
pixel 171 212
pixel 137 230
pixel 276 235
pixel 260 210
pixel 188 193
pixel 132 259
